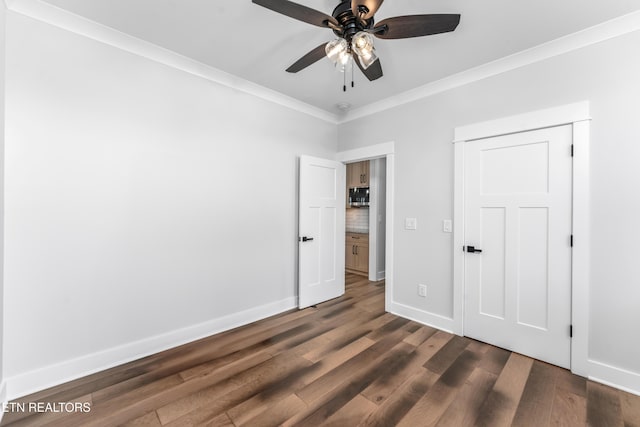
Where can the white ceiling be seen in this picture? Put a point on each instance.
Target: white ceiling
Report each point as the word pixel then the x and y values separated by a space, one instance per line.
pixel 256 44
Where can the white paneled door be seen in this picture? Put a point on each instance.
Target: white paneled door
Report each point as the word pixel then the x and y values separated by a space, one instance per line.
pixel 518 242
pixel 321 230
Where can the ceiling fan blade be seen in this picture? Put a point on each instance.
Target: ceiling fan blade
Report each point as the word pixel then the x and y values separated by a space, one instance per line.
pixel 368 7
pixel 310 58
pixel 298 11
pixel 404 27
pixel 374 71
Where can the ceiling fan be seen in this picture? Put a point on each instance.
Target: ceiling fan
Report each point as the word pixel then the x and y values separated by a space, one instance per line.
pixel 352 21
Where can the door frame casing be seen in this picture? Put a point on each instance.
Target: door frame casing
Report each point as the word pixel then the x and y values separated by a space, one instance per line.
pixel 386 150
pixel 576 115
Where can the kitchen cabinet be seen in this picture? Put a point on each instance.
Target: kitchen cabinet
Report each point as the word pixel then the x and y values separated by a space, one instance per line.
pixel 357 253
pixel 358 174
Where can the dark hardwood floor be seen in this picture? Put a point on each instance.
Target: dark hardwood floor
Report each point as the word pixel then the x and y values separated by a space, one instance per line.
pixel 344 363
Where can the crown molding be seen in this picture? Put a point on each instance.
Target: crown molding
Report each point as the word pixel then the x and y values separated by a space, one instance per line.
pixel 66 20
pixel 71 22
pixel 607 30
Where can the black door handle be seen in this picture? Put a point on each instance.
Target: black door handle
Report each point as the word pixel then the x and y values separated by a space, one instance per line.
pixel 307 239
pixel 472 249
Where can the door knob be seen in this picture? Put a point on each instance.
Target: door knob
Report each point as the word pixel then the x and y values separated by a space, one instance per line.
pixel 472 249
pixel 306 239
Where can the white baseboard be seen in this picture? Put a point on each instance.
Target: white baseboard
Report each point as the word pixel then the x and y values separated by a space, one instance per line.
pixel 49 376
pixel 3 398
pixel 603 373
pixel 430 319
pixel 597 371
pixel 376 277
pixel 615 377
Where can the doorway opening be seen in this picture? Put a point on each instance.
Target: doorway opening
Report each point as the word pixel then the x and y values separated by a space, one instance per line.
pixel 380 211
pixel 365 218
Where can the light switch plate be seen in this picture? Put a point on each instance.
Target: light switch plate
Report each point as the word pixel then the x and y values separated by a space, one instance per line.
pixel 422 290
pixel 410 223
pixel 447 226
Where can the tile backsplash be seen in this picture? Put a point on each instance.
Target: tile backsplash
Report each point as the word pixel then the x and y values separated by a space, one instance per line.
pixel 357 220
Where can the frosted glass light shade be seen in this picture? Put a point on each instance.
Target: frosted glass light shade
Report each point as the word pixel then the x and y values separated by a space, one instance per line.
pixel 338 52
pixel 335 49
pixel 344 63
pixel 362 45
pixel 367 60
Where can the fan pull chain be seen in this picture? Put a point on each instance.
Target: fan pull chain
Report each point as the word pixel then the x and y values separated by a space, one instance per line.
pixel 352 85
pixel 344 82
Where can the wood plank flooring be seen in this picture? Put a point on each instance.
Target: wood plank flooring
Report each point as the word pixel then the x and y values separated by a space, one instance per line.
pixel 343 363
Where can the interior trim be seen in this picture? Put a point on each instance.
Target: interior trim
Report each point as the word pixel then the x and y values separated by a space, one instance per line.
pixel 614 377
pixel 366 153
pixel 76 24
pixel 39 379
pixel 576 115
pixel 607 30
pixel 422 316
pixel 3 398
pixel 386 150
pixel 555 116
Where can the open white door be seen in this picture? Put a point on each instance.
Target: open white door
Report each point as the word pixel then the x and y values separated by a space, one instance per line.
pixel 321 230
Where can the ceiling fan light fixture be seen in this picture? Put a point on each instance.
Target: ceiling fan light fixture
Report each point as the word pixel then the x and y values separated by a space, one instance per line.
pixel 367 59
pixel 362 42
pixel 344 62
pixel 362 45
pixel 335 49
pixel 338 52
pixel 352 21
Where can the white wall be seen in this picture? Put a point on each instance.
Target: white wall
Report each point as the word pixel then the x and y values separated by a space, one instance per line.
pixel 2 119
pixel 377 218
pixel 606 74
pixel 144 205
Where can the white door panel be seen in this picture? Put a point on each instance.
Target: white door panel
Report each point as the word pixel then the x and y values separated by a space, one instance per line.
pixel 518 212
pixel 321 230
pixel 492 276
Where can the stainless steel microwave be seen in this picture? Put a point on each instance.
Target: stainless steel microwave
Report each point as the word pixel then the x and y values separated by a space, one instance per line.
pixel 359 197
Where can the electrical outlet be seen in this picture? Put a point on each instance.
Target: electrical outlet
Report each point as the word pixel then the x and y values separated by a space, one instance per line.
pixel 422 290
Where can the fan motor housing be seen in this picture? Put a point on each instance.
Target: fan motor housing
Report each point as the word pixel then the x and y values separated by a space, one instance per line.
pixel 349 23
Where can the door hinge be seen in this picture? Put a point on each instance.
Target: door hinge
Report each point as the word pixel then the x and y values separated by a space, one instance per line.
pixel 570 331
pixel 571 240
pixel 571 150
